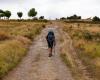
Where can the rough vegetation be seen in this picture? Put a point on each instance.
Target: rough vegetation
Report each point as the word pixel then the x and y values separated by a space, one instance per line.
pixel 15 38
pixel 86 40
pixel 79 48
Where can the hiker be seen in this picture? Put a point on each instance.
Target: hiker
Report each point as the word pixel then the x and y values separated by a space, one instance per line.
pixel 51 41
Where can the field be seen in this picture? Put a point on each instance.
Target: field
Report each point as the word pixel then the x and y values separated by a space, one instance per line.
pixel 78 47
pixel 86 41
pixel 15 39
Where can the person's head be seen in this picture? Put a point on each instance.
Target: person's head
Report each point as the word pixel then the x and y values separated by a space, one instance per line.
pixel 51 32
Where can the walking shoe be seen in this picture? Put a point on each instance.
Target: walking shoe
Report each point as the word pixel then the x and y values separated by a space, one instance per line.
pixel 50 55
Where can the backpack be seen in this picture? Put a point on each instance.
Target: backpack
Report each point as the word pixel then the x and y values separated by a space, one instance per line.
pixel 50 36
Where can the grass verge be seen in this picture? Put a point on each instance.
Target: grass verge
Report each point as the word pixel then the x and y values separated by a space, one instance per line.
pixel 86 41
pixel 14 43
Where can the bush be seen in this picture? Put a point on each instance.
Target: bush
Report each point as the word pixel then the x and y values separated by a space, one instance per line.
pixel 74 17
pixel 96 18
pixel 87 35
pixel 97 37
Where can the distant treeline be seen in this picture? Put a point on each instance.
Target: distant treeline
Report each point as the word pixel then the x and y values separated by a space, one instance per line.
pixel 78 18
pixel 31 13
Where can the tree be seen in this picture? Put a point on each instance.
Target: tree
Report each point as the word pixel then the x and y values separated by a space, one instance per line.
pixel 32 12
pixel 74 17
pixel 20 14
pixel 7 14
pixel 1 11
pixel 62 18
pixel 2 15
pixel 41 17
pixel 96 18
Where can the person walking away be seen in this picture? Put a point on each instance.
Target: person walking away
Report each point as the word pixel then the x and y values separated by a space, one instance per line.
pixel 51 42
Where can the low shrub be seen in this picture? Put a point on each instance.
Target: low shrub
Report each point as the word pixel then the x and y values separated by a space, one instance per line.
pixel 87 35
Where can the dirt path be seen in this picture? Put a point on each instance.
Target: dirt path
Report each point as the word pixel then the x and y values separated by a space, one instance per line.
pixel 38 66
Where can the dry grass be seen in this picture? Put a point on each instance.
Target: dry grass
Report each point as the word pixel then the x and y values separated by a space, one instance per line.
pixel 69 59
pixel 10 54
pixel 15 38
pixel 4 35
pixel 86 39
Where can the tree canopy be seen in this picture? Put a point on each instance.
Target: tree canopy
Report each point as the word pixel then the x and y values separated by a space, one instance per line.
pixel 1 11
pixel 96 18
pixel 7 14
pixel 32 12
pixel 20 14
pixel 41 17
pixel 74 17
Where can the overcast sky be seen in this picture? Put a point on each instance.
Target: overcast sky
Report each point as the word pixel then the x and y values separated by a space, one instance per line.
pixel 53 8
